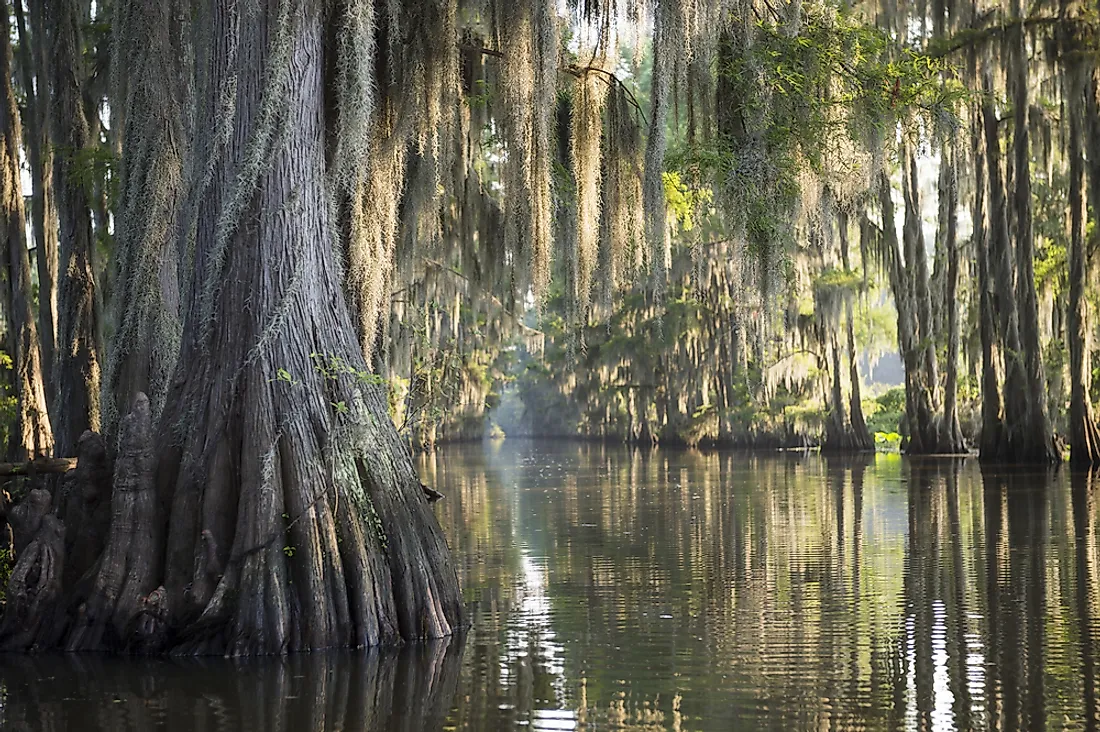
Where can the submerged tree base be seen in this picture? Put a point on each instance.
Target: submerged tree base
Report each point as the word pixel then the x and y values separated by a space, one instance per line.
pixel 90 571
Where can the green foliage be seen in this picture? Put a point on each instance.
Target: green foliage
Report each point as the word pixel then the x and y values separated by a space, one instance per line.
pixel 333 367
pixel 837 279
pixel 884 414
pixel 9 401
pixel 684 203
pixel 888 441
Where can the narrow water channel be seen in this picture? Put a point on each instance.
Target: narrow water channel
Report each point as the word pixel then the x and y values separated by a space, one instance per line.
pixel 616 589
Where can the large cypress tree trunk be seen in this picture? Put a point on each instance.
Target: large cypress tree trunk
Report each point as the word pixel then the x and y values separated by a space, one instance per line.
pixel 1026 436
pixel 1084 437
pixel 277 510
pixel 76 371
pixel 920 413
pixel 35 437
pixel 152 89
pixel 33 60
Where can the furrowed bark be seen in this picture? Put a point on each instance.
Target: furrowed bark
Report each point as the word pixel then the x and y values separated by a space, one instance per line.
pixel 35 437
pixel 33 60
pixel 76 373
pixel 952 438
pixel 280 510
pixel 297 489
pixel 1035 440
pixel 1084 437
pixel 145 301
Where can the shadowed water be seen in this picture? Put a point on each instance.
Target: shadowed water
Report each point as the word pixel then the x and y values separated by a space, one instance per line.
pixel 664 590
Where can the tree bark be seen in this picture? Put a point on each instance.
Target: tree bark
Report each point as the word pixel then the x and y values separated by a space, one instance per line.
pixel 920 413
pixel 77 367
pixel 35 437
pixel 992 426
pixel 1084 437
pixel 863 437
pixel 145 301
pixel 275 508
pixel 1026 436
pixel 1036 441
pixel 926 384
pixel 33 60
pixel 952 433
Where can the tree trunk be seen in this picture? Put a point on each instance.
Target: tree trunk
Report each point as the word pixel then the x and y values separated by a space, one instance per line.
pixel 277 510
pixel 1026 436
pixel 1036 441
pixel 838 437
pixel 145 302
pixel 76 372
pixel 35 438
pixel 916 268
pixel 1084 437
pixel 920 413
pixel 992 426
pixel 952 433
pixel 33 60
pixel 861 434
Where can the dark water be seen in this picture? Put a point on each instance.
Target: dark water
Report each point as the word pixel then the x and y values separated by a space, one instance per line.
pixel 642 590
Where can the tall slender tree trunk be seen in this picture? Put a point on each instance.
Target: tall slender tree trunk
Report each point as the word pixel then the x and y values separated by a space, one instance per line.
pixel 916 265
pixel 76 373
pixel 34 433
pixel 1084 437
pixel 861 435
pixel 991 437
pixel 33 58
pixel 1036 443
pixel 952 432
pixel 916 401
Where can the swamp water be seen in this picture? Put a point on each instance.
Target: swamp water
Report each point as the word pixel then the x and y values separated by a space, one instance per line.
pixel 612 588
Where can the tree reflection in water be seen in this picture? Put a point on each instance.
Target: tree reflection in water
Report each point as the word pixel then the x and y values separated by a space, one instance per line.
pixel 665 590
pixel 710 591
pixel 408 689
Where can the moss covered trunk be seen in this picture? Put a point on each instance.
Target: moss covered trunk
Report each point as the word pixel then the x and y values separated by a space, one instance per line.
pixel 952 438
pixel 76 370
pixel 1026 435
pixel 987 326
pixel 275 508
pixel 1084 437
pixel 33 58
pixel 34 434
pixel 922 423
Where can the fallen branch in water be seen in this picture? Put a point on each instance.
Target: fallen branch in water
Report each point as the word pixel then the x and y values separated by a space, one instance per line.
pixel 41 465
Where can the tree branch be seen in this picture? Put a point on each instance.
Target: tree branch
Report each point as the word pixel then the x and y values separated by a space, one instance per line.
pixel 41 465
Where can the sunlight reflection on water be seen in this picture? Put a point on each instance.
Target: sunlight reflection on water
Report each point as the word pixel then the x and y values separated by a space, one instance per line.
pixel 616 589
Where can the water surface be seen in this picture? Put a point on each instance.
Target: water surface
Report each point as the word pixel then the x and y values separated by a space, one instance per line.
pixel 612 588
